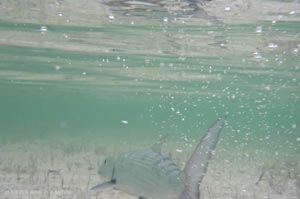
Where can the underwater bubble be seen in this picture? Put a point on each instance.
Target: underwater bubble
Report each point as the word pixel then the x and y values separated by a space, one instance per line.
pixel 124 122
pixel 228 8
pixel 267 87
pixel 111 17
pixel 65 36
pixel 178 150
pixel 43 29
pixel 272 46
pixel 292 12
pixel 259 29
pixel 57 67
pixel 257 55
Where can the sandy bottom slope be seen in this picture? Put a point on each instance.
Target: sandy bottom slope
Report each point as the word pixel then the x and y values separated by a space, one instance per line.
pixel 66 170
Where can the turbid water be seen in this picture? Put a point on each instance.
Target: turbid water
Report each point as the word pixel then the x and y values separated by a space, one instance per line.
pixel 80 81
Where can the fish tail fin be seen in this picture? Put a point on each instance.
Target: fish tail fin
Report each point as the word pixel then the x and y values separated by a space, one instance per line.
pixel 196 166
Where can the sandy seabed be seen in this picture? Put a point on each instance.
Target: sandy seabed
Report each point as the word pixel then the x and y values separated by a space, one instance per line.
pixel 66 170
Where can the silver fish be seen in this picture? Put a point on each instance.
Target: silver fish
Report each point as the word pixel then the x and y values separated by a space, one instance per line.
pixel 148 174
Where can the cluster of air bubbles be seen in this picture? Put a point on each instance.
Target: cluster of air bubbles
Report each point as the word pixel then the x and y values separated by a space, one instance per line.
pixel 124 63
pixel 104 61
pixel 272 46
pixel 187 141
pixel 178 113
pixel 257 55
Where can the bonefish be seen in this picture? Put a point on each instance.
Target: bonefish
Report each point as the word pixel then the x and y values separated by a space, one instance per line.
pixel 148 174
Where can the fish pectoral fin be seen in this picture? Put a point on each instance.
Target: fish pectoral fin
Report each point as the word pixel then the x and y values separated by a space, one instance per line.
pixel 98 188
pixel 104 185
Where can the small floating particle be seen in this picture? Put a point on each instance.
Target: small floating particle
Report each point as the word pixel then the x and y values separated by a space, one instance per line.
pixel 57 67
pixel 227 8
pixel 292 12
pixel 259 29
pixel 257 55
pixel 272 46
pixel 179 150
pixel 43 29
pixel 110 17
pixel 124 122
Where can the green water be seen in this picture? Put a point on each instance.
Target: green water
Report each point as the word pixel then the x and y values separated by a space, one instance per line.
pixel 69 71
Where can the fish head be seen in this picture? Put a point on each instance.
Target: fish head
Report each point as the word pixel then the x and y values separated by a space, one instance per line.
pixel 107 168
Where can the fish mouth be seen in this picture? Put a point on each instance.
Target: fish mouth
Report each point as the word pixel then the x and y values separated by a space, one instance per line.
pixel 113 181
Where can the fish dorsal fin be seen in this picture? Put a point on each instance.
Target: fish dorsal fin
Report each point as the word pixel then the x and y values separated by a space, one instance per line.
pixel 196 166
pixel 157 146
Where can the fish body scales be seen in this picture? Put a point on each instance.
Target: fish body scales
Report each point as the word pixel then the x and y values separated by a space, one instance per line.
pixel 147 173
